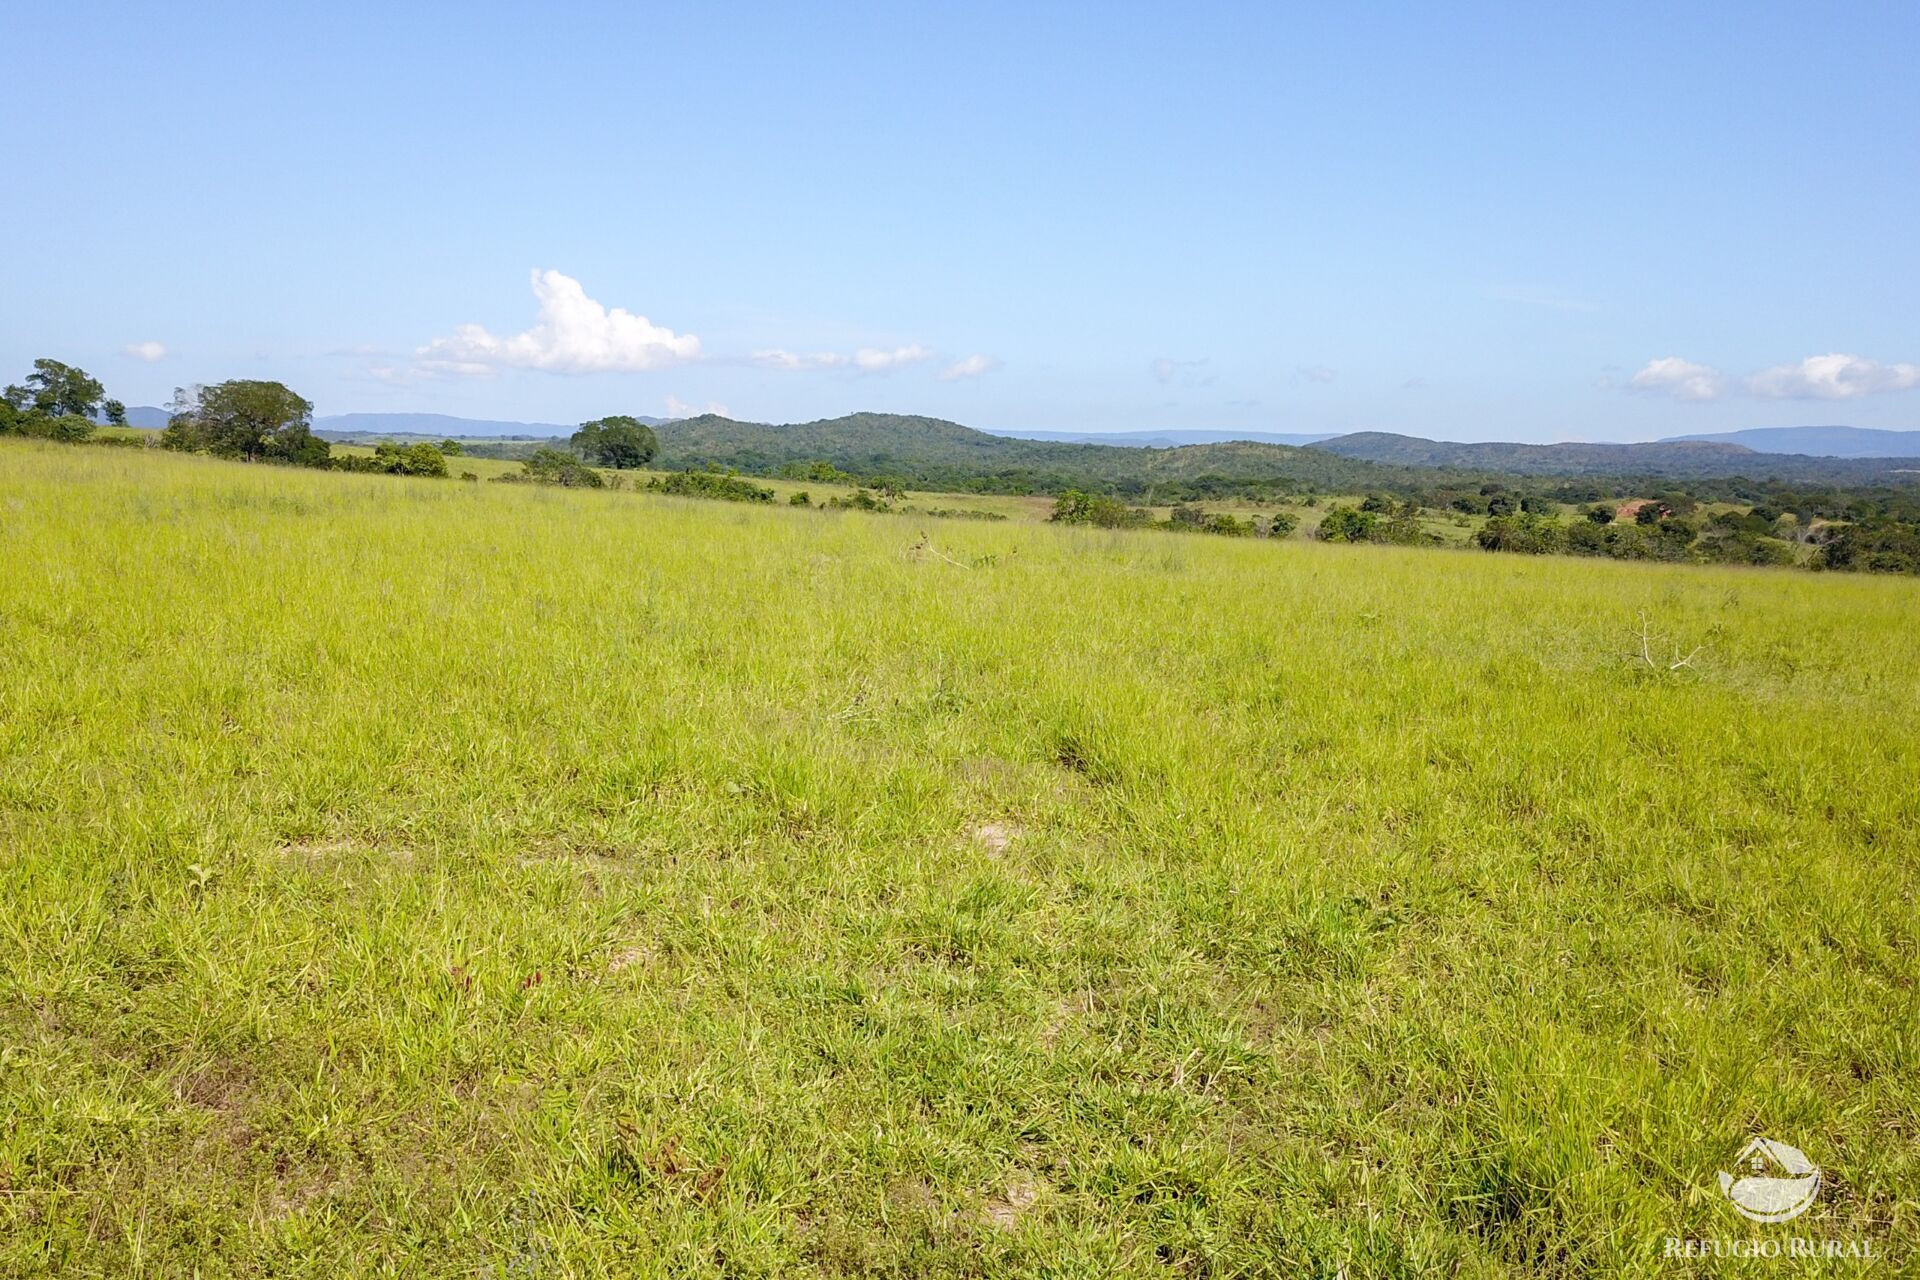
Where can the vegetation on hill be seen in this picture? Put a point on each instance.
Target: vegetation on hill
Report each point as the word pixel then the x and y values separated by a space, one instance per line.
pixel 931 454
pixel 1873 528
pixel 1690 459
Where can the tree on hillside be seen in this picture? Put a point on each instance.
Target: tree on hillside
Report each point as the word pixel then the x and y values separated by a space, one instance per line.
pixel 56 401
pixel 258 421
pixel 54 390
pixel 620 442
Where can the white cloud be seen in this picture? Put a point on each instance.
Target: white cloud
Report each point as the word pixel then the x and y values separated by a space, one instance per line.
pixel 866 359
pixel 1833 377
pixel 148 351
pixel 573 334
pixel 1681 379
pixel 971 367
pixel 1316 373
pixel 678 408
pixel 874 360
pixel 779 359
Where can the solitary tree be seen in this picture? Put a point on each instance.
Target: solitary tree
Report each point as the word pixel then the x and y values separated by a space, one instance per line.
pixel 619 442
pixel 56 389
pixel 246 419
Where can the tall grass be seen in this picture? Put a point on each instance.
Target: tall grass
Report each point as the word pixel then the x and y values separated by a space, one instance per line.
pixel 424 878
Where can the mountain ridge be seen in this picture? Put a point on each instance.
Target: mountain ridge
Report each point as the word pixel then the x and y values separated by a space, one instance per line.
pixel 1817 442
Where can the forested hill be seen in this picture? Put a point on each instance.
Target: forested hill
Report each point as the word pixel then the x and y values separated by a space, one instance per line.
pixel 1692 459
pixel 934 454
pixel 931 453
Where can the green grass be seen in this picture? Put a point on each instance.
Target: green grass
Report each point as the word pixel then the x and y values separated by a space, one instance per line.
pixel 410 877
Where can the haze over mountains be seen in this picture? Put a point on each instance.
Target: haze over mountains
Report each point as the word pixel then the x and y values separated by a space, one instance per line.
pixel 1163 439
pixel 1820 442
pixel 875 440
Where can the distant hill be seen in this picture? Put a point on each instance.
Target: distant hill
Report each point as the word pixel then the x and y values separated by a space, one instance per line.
pixel 1164 439
pixel 934 454
pixel 1679 459
pixel 440 426
pixel 1821 442
pixel 430 426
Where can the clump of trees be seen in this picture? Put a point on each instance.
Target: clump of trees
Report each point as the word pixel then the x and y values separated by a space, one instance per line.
pixel 864 499
pixel 1877 546
pixel 1098 510
pixel 250 420
pixel 1657 530
pixel 56 402
pixel 390 458
pixel 1102 512
pixel 619 442
pixel 1383 522
pixel 551 466
pixel 710 484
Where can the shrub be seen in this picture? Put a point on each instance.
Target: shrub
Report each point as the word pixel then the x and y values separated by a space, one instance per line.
pixel 550 466
pixel 860 500
pixel 710 484
pixel 1075 507
pixel 1345 524
pixel 1524 532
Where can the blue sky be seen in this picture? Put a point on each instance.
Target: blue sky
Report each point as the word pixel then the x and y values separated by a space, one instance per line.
pixel 1469 222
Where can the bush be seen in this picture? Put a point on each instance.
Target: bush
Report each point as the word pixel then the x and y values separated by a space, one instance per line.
pixel 860 500
pixel 1345 524
pixel 68 428
pixel 550 466
pixel 1525 532
pixel 710 484
pixel 1075 507
pixel 1880 547
pixel 801 499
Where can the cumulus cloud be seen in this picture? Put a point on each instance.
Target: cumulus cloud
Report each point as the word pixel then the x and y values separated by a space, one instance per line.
pixel 572 334
pixel 779 359
pixel 866 359
pixel 875 360
pixel 678 408
pixel 1832 377
pixel 148 351
pixel 1681 379
pixel 971 367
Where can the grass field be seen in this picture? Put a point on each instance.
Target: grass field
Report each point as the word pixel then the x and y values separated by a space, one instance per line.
pixel 423 878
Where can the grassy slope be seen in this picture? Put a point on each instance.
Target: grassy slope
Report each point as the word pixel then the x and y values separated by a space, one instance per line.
pixel 450 878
